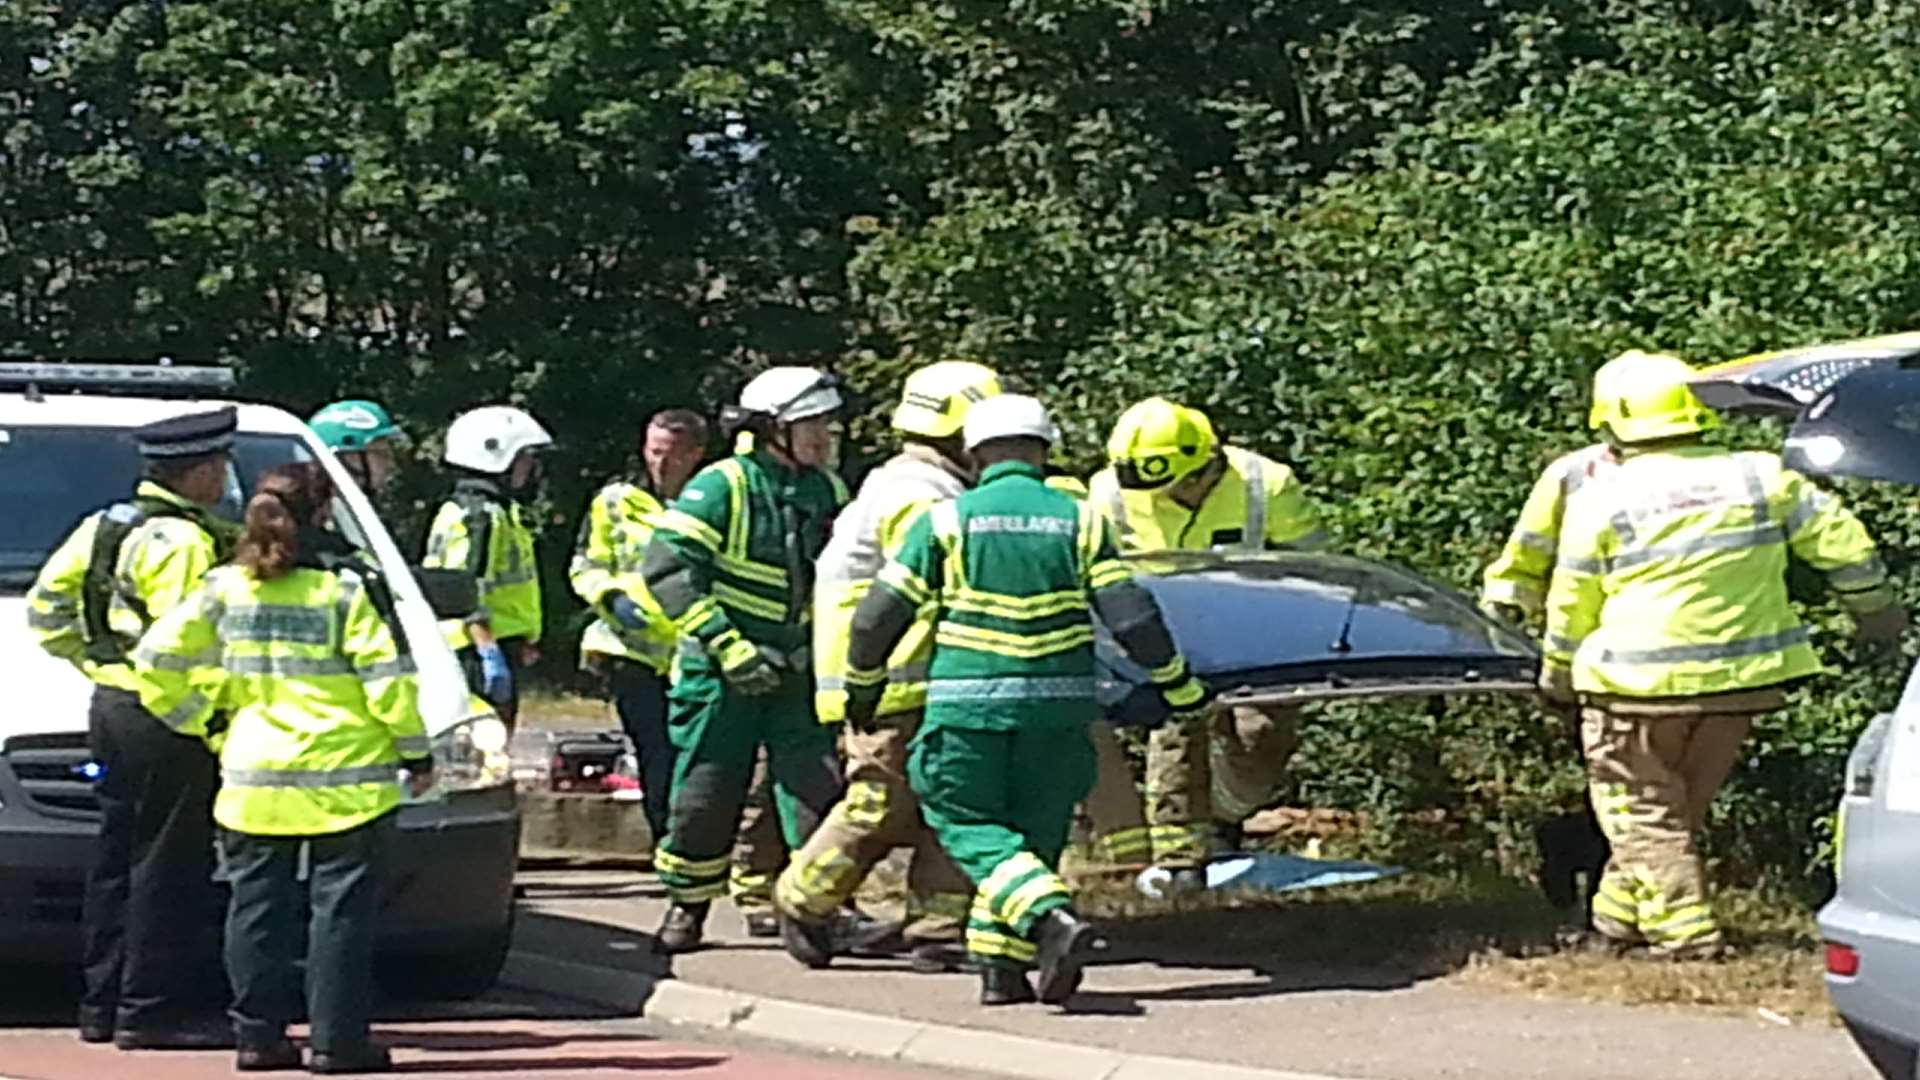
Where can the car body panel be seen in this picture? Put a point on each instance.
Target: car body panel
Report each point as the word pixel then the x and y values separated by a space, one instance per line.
pixel 1876 907
pixel 1287 627
pixel 1866 427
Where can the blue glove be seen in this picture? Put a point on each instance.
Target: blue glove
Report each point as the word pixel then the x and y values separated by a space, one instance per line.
pixel 624 611
pixel 496 678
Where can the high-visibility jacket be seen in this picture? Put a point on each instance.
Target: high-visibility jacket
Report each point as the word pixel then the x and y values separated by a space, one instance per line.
pixel 484 532
pixel 1256 505
pixel 168 544
pixel 1670 579
pixel 320 699
pixel 1013 572
pixel 606 561
pixel 733 556
pixel 1520 575
pixel 867 531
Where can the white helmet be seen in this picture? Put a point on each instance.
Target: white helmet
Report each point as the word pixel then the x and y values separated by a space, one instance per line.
pixel 1008 416
pixel 487 439
pixel 791 394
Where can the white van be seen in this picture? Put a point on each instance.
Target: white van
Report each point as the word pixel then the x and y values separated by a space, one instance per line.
pixel 447 912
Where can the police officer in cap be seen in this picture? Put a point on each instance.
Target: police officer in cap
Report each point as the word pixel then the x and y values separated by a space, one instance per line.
pixel 152 950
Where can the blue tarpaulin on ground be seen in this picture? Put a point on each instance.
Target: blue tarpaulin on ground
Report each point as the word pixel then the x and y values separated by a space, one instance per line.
pixel 1272 872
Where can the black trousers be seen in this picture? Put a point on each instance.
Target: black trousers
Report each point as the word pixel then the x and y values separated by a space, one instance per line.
pixel 335 886
pixel 640 697
pixel 470 664
pixel 152 909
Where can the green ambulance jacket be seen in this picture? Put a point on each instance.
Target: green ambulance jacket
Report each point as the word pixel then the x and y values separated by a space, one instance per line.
pixel 733 556
pixel 1014 573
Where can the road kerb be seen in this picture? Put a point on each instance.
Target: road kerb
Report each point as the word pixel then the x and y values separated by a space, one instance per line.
pixel 845 1031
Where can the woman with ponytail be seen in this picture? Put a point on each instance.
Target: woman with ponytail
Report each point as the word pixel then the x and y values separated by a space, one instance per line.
pixel 289 645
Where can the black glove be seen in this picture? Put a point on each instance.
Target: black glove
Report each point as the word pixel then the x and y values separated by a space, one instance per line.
pixel 863 704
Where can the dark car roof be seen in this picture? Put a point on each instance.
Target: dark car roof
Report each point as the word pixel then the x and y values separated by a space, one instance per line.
pixel 1306 626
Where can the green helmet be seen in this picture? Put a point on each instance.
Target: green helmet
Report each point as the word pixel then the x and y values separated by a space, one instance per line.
pixel 353 425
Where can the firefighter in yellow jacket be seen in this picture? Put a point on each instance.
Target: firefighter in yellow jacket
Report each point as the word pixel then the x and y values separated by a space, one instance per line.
pixel 1172 485
pixel 878 811
pixel 297 645
pixel 1668 622
pixel 484 529
pixel 152 964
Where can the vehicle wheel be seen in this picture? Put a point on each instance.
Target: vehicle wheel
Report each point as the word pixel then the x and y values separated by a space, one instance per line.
pixel 459 974
pixel 1893 1059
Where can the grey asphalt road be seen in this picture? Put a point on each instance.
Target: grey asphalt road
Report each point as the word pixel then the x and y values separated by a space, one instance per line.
pixel 1224 996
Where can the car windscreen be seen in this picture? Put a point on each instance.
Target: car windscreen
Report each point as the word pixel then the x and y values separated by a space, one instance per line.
pixel 52 477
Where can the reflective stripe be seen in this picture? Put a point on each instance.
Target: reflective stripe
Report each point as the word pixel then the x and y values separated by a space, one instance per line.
pixel 915 672
pixel 1680 654
pixel 387 669
pixel 48 600
pixel 160 661
pixel 1005 606
pixel 741 600
pixel 1011 688
pixel 1861 575
pixel 1253 537
pixel 1580 564
pixel 1806 510
pixel 1019 646
pixel 685 525
pixel 1109 573
pixel 1560 646
pixel 1534 541
pixel 276 622
pixel 1731 540
pixel 190 707
pixel 1756 491
pixel 293 667
pixel 413 746
pixel 310 778
pixel 758 573
pixel 51 620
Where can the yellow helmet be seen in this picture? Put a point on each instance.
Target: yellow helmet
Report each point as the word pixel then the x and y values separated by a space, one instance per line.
pixel 1640 397
pixel 936 398
pixel 1157 442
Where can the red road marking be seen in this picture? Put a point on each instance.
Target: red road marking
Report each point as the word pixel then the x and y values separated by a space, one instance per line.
pixel 461 1050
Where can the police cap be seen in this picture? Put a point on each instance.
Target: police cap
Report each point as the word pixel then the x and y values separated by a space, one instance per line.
pixel 192 435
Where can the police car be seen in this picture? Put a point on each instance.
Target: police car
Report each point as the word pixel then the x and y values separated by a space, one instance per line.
pixel 65 451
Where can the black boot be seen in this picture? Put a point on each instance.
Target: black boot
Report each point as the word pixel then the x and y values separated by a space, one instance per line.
pixel 807 941
pixel 1004 986
pixel 1065 943
pixel 682 930
pixel 275 1056
pixel 938 957
pixel 366 1059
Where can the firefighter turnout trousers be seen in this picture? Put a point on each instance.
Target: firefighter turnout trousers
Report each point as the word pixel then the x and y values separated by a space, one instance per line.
pixel 1222 770
pixel 877 814
pixel 717 733
pixel 1115 814
pixel 1652 771
pixel 759 849
pixel 1001 803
